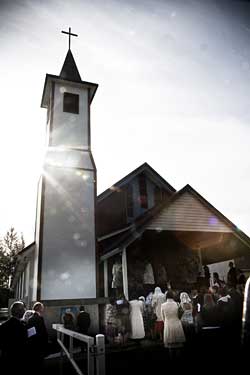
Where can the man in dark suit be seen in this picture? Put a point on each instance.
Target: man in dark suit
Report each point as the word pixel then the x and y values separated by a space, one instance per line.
pixel 38 342
pixel 13 339
pixel 83 321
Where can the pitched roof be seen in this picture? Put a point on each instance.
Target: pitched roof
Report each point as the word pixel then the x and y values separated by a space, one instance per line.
pixel 69 70
pixel 113 244
pixel 146 168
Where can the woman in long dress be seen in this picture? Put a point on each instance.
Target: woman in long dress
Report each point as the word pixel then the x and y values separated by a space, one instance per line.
pixel 187 319
pixel 174 337
pixel 136 318
pixel 157 300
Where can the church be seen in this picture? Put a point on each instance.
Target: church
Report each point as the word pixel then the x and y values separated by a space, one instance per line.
pixel 84 241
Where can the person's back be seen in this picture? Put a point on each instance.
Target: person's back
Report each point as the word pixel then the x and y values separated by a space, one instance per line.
pixel 232 275
pixel 83 321
pixel 209 312
pixel 13 339
pixel 38 342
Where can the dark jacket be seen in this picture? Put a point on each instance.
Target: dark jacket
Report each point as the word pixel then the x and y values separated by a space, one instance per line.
pixel 39 342
pixel 83 322
pixel 13 343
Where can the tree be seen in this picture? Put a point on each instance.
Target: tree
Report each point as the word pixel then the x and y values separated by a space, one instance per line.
pixel 4 268
pixel 10 246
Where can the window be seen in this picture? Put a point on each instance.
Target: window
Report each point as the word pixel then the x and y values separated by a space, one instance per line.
pixel 143 191
pixel 130 206
pixel 70 103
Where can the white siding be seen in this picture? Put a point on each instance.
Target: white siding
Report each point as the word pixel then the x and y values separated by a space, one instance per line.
pixel 69 129
pixel 187 213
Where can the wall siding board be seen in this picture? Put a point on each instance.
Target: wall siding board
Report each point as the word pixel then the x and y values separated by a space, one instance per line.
pixel 187 213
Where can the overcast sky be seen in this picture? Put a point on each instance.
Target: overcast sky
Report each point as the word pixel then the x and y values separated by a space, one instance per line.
pixel 174 91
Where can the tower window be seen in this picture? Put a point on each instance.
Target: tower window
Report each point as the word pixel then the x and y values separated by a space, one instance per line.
pixel 70 103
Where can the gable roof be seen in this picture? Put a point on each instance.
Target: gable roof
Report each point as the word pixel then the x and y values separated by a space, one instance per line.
pixel 113 245
pixel 146 168
pixel 222 217
pixel 189 213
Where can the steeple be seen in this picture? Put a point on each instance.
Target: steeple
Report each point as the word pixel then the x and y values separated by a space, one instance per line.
pixel 66 265
pixel 69 70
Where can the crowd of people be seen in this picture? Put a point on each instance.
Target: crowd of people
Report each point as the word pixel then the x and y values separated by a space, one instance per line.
pixel 177 318
pixel 24 338
pixel 212 313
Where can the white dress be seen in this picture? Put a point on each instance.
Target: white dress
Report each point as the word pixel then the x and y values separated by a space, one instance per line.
pixel 157 300
pixel 174 336
pixel 136 319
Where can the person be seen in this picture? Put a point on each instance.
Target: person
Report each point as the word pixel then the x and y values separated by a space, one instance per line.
pixel 162 277
pixel 28 314
pixel 197 301
pixel 68 320
pixel 14 340
pixel 148 276
pixel 241 278
pixel 111 320
pixel 174 337
pixel 214 291
pixel 209 314
pixel 224 308
pixel 117 276
pixel 83 321
pixel 206 275
pixel 157 300
pixel 216 280
pixel 187 319
pixel 236 314
pixel 136 318
pixel 38 341
pixel 82 324
pixel 232 276
pixel 150 317
pixel 123 321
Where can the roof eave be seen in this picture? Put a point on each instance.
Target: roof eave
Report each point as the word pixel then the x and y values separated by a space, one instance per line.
pixel 53 78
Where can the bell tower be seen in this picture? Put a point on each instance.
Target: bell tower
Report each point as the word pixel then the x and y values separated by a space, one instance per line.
pixel 65 260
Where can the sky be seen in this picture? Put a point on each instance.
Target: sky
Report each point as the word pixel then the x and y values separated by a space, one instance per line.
pixel 174 91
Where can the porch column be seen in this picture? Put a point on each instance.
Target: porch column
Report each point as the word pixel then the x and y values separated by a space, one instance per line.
pixel 125 273
pixel 200 268
pixel 106 284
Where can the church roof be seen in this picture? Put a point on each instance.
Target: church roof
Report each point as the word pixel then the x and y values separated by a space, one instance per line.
pixel 145 168
pixel 111 246
pixel 69 69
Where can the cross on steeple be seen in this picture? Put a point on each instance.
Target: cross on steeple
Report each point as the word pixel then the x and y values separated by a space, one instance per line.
pixel 69 34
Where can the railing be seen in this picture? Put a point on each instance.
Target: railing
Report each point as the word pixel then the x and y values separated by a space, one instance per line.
pixel 95 349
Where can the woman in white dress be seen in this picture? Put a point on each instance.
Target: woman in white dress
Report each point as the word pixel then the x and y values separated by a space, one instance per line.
pixel 136 318
pixel 174 336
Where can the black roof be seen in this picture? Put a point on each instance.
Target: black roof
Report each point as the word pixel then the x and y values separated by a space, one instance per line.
pixel 145 167
pixel 69 70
